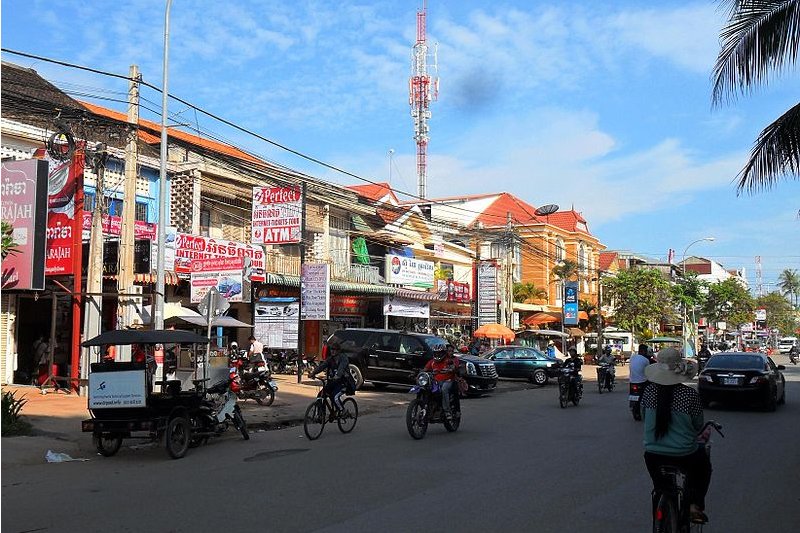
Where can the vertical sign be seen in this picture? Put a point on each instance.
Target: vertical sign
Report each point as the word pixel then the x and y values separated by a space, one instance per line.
pixel 571 303
pixel 315 291
pixel 24 206
pixel 63 182
pixel 487 292
pixel 276 215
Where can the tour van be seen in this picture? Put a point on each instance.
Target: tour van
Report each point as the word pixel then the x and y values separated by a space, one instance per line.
pixel 785 344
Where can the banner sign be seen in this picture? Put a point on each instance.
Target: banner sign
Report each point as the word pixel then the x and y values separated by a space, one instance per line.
pixel 24 206
pixel 63 182
pixel 348 305
pixel 761 314
pixel 276 215
pixel 487 292
pixel 571 303
pixel 396 306
pixel 182 248
pixel 315 291
pixel 224 273
pixel 276 324
pixel 409 271
pixel 453 291
pixel 117 389
pixel 112 226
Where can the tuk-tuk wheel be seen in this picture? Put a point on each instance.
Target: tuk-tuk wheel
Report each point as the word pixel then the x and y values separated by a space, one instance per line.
pixel 107 444
pixel 177 437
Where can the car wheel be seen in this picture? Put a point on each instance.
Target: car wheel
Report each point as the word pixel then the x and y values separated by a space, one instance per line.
pixel 539 377
pixel 358 377
pixel 772 401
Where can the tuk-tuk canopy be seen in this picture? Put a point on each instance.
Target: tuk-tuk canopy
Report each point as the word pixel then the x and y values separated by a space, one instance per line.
pixel 146 336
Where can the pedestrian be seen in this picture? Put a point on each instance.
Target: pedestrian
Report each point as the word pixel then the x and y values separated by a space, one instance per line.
pixel 256 348
pixel 41 351
pixel 551 349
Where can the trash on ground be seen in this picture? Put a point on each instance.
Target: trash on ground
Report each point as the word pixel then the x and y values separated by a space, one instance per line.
pixel 56 457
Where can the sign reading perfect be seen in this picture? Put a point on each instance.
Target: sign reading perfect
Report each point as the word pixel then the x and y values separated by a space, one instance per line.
pixel 571 303
pixel 276 215
pixel 409 271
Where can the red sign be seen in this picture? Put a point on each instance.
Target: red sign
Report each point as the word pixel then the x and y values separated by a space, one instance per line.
pixel 453 291
pixel 63 182
pixel 277 213
pixel 190 247
pixel 217 264
pixel 348 305
pixel 113 226
pixel 24 206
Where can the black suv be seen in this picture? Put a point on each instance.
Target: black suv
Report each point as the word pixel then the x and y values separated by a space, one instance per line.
pixel 388 357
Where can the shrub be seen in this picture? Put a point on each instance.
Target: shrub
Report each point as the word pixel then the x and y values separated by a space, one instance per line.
pixel 12 423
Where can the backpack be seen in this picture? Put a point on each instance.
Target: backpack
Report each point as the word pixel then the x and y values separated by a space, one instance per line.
pixel 349 384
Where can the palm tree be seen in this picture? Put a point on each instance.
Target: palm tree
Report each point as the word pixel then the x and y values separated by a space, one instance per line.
pixel 565 270
pixel 761 36
pixel 789 283
pixel 523 292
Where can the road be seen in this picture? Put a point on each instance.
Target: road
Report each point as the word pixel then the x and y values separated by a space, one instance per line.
pixel 519 463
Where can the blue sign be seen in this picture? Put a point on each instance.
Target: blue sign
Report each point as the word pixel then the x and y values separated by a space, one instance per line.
pixel 571 303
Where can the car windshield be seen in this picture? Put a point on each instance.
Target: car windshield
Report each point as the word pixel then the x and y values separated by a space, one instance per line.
pixel 435 343
pixel 736 362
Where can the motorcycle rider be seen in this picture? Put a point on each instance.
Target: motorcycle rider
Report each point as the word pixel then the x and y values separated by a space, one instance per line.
pixel 337 366
pixel 574 363
pixel 443 368
pixel 703 355
pixel 607 359
pixel 794 353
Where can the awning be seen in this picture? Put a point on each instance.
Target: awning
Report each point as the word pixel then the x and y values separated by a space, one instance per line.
pixel 220 321
pixel 145 336
pixel 416 295
pixel 288 280
pixel 518 306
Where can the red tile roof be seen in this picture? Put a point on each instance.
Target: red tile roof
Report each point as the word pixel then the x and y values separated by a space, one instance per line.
pixel 497 212
pixel 373 191
pixel 195 140
pixel 569 220
pixel 606 259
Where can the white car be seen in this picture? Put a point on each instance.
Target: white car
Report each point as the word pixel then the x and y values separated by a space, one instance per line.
pixel 786 343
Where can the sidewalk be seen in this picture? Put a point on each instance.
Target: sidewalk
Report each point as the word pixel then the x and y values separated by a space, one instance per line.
pixel 56 416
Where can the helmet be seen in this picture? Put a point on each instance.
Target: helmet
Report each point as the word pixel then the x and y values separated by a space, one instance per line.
pixel 234 345
pixel 439 352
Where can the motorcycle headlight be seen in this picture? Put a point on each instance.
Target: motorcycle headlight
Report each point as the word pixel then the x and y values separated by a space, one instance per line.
pixel 471 368
pixel 423 379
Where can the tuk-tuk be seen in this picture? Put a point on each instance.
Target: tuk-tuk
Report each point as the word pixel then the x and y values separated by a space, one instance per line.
pixel 122 400
pixel 673 342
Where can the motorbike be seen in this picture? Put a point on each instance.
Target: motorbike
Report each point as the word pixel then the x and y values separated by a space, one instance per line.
pixel 635 399
pixel 283 362
pixel 218 411
pixel 793 356
pixel 606 377
pixel 427 408
pixel 251 378
pixel 570 387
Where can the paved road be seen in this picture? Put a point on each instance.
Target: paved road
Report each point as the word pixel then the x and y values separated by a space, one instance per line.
pixel 519 463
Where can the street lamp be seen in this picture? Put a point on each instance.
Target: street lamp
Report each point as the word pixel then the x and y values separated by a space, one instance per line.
pixel 683 270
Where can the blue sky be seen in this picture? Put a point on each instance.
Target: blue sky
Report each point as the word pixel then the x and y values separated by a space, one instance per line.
pixel 601 105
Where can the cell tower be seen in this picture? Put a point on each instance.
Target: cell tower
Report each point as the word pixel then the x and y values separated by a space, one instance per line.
pixel 423 89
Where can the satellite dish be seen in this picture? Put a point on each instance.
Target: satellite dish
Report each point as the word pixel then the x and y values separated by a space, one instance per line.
pixel 545 210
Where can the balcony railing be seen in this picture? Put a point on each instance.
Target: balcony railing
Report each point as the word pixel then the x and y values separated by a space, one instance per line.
pixel 290 265
pixel 283 264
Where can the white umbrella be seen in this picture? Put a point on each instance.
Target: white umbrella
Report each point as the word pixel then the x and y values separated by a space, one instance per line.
pixel 171 309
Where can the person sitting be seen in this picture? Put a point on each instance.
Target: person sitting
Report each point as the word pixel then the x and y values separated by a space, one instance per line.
pixel 337 367
pixel 673 417
pixel 444 372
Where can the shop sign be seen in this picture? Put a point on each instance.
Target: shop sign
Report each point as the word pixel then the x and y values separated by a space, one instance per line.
pixel 63 181
pixel 182 248
pixel 571 303
pixel 761 314
pixel 315 291
pixel 453 291
pixel 396 306
pixel 402 270
pixel 277 213
pixel 224 273
pixel 24 206
pixel 117 389
pixel 112 227
pixel 276 324
pixel 487 292
pixel 348 305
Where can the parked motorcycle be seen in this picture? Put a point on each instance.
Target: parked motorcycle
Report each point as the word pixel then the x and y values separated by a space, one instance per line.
pixel 606 377
pixel 251 378
pixel 570 387
pixel 283 362
pixel 635 399
pixel 218 410
pixel 426 408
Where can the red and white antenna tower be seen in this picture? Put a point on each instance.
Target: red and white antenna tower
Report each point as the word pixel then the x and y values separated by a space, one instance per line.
pixel 423 89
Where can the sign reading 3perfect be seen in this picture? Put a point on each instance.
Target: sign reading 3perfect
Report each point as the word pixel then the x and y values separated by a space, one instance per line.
pixel 276 215
pixel 409 271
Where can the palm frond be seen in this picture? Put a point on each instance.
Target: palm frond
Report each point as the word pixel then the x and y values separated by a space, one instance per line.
pixel 760 36
pixel 775 155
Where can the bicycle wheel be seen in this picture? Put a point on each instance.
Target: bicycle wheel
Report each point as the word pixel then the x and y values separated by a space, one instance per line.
pixel 665 516
pixel 600 382
pixel 349 416
pixel 314 421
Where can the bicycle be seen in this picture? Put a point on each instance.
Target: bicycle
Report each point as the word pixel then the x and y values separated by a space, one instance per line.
pixel 670 510
pixel 321 411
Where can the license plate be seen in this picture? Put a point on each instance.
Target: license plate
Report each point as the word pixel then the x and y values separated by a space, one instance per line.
pixel 730 381
pixel 633 398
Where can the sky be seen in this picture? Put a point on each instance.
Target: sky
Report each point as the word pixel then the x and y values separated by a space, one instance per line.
pixel 601 106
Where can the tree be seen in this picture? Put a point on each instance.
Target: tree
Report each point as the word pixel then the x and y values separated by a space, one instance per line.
pixel 690 291
pixel 761 36
pixel 780 314
pixel 642 298
pixel 789 283
pixel 728 301
pixel 525 292
pixel 566 270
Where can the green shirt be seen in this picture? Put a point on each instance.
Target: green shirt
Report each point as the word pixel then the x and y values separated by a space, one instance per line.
pixel 686 422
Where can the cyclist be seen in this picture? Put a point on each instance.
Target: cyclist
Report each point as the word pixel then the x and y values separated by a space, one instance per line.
pixel 338 367
pixel 444 371
pixel 673 416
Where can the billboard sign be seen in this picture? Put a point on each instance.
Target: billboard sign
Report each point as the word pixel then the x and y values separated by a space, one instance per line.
pixel 224 273
pixel 396 306
pixel 402 270
pixel 64 179
pixel 571 303
pixel 277 214
pixel 487 292
pixel 112 226
pixel 182 249
pixel 24 206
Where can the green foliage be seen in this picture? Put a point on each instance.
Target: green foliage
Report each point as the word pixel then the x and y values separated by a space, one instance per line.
pixel 690 291
pixel 566 271
pixel 780 314
pixel 9 247
pixel 789 283
pixel 523 292
pixel 10 406
pixel 642 297
pixel 728 301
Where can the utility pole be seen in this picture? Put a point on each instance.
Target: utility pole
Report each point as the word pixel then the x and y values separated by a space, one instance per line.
pixel 598 352
pixel 94 269
pixel 301 330
pixel 509 284
pixel 127 234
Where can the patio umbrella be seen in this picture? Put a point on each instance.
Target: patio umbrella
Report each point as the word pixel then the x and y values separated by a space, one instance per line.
pixel 541 318
pixel 494 331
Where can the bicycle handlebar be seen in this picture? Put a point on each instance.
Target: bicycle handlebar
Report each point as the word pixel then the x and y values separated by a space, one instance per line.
pixel 715 425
